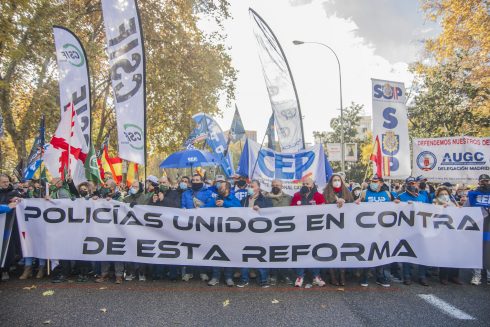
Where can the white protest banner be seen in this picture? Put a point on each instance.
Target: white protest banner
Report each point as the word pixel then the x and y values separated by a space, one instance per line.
pixel 73 74
pixel 3 221
pixel 265 165
pixel 456 159
pixel 127 60
pixel 354 236
pixel 334 152
pixel 390 123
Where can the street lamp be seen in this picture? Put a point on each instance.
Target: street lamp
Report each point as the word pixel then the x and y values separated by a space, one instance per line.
pixel 342 162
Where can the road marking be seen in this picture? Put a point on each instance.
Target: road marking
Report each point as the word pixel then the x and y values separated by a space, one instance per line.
pixel 446 307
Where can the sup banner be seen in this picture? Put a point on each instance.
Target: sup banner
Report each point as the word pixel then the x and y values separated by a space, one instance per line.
pixel 390 124
pixel 127 61
pixel 457 159
pixel 365 235
pixel 265 165
pixel 73 74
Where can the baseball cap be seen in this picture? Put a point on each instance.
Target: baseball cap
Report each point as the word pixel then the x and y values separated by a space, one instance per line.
pixel 420 178
pixel 376 178
pixel 447 184
pixel 220 178
pixel 410 180
pixel 356 185
pixel 152 179
pixel 483 177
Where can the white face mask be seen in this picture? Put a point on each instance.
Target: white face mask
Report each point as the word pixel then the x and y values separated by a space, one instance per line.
pixel 357 192
pixel 336 184
pixel 443 198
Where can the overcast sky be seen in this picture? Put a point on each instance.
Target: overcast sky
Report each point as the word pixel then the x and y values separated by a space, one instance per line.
pixel 373 39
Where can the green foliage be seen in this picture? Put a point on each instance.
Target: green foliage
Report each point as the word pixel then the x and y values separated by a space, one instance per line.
pixel 187 70
pixel 352 117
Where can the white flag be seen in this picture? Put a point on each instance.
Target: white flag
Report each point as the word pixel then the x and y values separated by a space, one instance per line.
pixel 67 149
pixel 126 58
pixel 73 73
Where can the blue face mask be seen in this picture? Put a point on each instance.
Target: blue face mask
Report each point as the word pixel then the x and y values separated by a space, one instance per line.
pixel 183 186
pixel 250 191
pixel 218 184
pixel 374 186
pixel 132 191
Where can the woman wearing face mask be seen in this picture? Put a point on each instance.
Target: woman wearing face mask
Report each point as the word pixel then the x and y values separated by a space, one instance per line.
pixel 356 191
pixel 255 200
pixel 308 195
pixel 446 275
pixel 336 192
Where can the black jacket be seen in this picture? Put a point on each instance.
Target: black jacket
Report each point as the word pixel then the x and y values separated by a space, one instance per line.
pixel 261 201
pixel 172 199
pixel 8 193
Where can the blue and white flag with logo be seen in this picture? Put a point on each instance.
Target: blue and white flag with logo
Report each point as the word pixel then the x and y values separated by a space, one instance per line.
pixel 215 140
pixel 265 165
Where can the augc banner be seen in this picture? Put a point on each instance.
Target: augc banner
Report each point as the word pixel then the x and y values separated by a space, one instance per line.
pixel 127 61
pixel 265 165
pixel 457 159
pixel 390 124
pixel 73 74
pixel 364 235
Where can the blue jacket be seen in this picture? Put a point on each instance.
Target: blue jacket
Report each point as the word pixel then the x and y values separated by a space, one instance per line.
pixel 406 196
pixel 229 202
pixel 4 208
pixel 204 195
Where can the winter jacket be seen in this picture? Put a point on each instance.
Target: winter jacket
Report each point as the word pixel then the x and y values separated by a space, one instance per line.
pixel 8 194
pixel 138 198
pixel 261 201
pixel 204 195
pixel 279 200
pixel 172 199
pixel 229 202
pixel 4 208
pixel 298 199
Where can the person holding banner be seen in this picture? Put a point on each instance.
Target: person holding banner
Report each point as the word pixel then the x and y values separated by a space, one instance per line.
pixel 375 193
pixel 336 192
pixel 480 197
pixel 308 195
pixel 411 195
pixel 198 196
pixel 277 196
pixel 441 198
pixel 224 200
pixel 255 200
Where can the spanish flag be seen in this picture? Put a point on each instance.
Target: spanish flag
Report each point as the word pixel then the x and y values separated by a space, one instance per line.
pixel 111 164
pixel 382 162
pixel 131 176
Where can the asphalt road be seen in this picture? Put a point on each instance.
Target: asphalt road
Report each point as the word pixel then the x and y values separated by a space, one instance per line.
pixel 163 303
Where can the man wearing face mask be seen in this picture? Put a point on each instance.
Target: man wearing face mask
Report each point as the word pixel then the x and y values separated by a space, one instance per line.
pixel 480 197
pixel 225 199
pixel 412 195
pixel 308 194
pixel 241 191
pixel 425 189
pixel 255 200
pixel 198 196
pixel 135 194
pixel 185 183
pixel 375 193
pixel 277 196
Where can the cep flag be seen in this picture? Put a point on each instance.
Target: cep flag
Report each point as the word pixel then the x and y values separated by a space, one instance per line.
pixel 127 61
pixel 73 74
pixel 265 165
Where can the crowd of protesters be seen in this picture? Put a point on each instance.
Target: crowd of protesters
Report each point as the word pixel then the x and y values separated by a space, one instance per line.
pixel 196 192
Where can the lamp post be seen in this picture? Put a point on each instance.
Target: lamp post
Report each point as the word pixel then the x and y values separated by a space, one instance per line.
pixel 342 145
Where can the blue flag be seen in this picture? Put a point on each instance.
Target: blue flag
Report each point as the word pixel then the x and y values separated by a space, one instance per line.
pixel 215 140
pixel 237 131
pixel 35 156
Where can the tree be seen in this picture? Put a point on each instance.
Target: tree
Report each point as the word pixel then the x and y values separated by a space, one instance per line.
pixel 447 103
pixel 187 70
pixel 453 80
pixel 352 117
